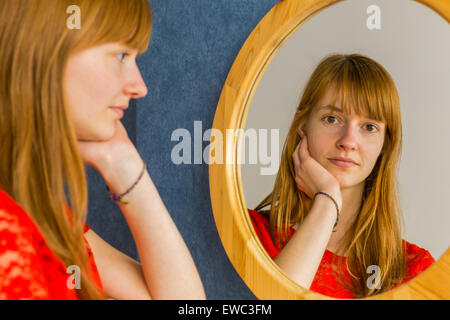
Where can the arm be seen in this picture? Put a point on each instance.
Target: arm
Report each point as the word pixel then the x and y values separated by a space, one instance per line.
pixel 122 277
pixel 169 270
pixel 167 266
pixel 301 256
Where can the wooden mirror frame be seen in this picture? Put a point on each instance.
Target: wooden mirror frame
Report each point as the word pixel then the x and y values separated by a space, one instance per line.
pixel 264 278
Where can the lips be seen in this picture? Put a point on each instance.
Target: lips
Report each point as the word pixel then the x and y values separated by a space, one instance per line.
pixel 125 107
pixel 343 159
pixel 119 111
pixel 343 162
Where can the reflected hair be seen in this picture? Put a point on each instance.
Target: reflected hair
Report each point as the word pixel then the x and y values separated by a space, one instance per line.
pixel 40 164
pixel 375 235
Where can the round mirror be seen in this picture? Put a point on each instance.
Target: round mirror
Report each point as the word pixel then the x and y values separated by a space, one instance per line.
pixel 261 97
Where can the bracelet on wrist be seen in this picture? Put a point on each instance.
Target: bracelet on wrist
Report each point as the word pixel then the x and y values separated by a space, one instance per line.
pixel 119 197
pixel 335 203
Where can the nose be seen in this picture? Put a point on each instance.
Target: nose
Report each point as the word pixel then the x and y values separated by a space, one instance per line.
pixel 348 140
pixel 135 86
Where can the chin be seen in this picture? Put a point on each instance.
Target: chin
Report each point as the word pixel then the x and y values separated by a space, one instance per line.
pixel 100 134
pixel 106 135
pixel 347 183
pixel 344 179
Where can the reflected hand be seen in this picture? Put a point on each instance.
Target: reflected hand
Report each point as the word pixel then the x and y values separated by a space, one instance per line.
pixel 310 176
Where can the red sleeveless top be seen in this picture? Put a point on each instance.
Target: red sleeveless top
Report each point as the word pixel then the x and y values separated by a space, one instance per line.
pixel 417 260
pixel 28 268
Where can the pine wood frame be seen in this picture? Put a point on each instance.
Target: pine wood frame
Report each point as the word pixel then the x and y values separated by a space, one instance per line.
pixel 251 261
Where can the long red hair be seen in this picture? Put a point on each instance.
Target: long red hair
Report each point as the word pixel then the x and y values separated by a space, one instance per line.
pixel 40 164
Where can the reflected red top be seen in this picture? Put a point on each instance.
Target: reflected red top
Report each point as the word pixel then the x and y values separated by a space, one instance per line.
pixel 28 268
pixel 417 260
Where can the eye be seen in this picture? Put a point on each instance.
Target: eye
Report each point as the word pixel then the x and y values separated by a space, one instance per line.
pixel 332 118
pixel 374 127
pixel 122 56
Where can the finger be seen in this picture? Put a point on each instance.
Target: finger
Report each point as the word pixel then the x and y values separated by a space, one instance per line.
pixel 295 156
pixel 300 186
pixel 301 132
pixel 303 151
pixel 299 182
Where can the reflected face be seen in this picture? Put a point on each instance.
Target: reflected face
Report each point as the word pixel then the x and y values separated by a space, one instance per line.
pixel 99 83
pixel 338 135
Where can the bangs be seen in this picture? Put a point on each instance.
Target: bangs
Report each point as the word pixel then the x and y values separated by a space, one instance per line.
pixel 124 21
pixel 362 86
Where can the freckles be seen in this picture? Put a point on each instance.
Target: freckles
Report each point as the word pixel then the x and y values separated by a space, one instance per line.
pixel 318 145
pixel 98 83
pixel 378 147
pixel 371 153
pixel 83 77
pixel 94 70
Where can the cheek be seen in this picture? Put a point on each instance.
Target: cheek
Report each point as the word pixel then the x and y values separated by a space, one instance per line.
pixel 319 144
pixel 89 96
pixel 92 91
pixel 372 153
pixel 90 85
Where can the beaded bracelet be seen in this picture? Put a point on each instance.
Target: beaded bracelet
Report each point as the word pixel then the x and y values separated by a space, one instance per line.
pixel 119 197
pixel 335 203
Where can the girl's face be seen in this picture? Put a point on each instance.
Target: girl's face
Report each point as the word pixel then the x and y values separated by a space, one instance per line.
pixel 348 136
pixel 97 81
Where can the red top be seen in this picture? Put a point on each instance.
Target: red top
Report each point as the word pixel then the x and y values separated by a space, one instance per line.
pixel 28 268
pixel 417 260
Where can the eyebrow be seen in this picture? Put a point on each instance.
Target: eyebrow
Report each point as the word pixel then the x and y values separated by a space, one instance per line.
pixel 329 106
pixel 123 46
pixel 339 110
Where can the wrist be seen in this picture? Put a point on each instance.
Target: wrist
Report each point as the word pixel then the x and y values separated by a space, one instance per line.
pixel 324 207
pixel 335 193
pixel 121 196
pixel 121 172
pixel 325 197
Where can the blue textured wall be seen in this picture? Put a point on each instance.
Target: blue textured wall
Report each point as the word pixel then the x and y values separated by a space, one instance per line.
pixel 193 46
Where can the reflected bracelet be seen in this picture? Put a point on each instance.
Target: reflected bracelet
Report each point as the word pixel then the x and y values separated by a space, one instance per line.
pixel 119 197
pixel 335 203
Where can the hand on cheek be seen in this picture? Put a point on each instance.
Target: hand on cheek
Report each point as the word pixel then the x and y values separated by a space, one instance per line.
pixel 310 176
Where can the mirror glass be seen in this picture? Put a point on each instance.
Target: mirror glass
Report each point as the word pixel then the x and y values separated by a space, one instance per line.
pixel 412 42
